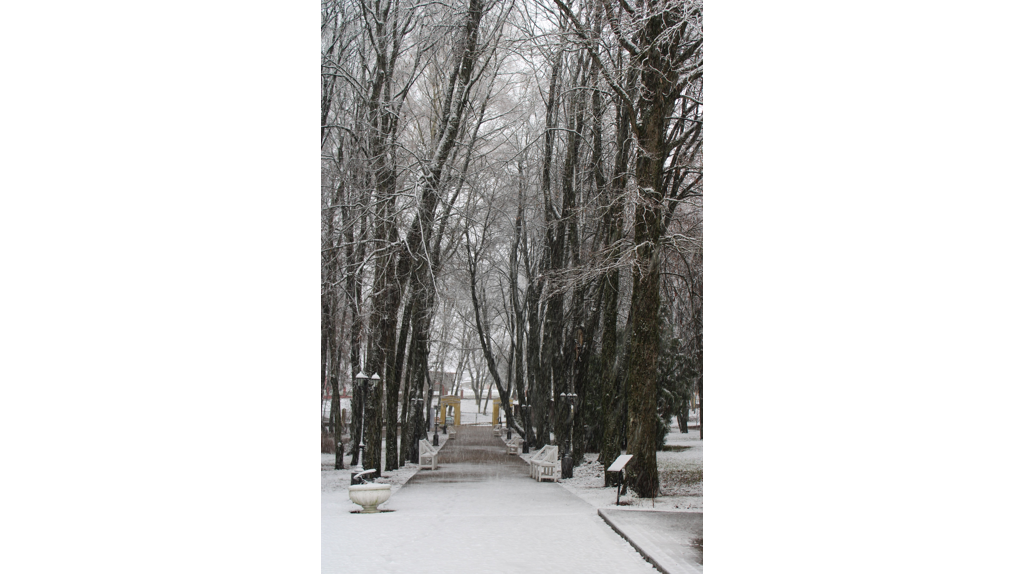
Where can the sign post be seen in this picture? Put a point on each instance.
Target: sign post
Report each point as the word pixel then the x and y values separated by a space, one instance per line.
pixel 618 466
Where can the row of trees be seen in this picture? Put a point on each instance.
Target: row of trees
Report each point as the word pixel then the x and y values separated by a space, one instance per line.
pixel 520 181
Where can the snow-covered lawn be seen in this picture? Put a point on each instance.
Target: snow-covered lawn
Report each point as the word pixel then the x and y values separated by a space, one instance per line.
pixel 681 474
pixel 332 480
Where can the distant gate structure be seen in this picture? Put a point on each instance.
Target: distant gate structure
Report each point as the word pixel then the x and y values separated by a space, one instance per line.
pixel 496 417
pixel 450 401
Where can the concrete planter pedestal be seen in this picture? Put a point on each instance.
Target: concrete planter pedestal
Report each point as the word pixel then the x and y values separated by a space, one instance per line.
pixel 369 496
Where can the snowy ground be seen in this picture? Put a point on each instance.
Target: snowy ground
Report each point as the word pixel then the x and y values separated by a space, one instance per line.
pixel 335 481
pixel 680 472
pixel 468 518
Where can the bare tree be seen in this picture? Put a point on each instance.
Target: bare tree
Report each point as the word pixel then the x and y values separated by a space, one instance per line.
pixel 664 39
pixel 557 144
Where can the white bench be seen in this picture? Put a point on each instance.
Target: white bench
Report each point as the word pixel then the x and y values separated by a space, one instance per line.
pixel 542 465
pixel 513 445
pixel 497 431
pixel 541 454
pixel 427 453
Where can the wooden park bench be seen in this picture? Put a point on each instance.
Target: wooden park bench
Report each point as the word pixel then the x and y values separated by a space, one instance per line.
pixel 428 455
pixel 513 445
pixel 497 431
pixel 542 465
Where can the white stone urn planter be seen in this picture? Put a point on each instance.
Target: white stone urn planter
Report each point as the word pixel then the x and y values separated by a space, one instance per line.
pixel 369 496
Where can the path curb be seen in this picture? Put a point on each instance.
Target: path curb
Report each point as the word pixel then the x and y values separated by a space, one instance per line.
pixel 671 567
pixel 632 543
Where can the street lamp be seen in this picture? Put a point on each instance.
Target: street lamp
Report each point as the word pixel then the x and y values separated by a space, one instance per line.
pixel 436 442
pixel 567 451
pixel 361 380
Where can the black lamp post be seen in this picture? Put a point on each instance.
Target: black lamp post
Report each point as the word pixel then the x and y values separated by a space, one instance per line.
pixel 436 442
pixel 567 451
pixel 360 380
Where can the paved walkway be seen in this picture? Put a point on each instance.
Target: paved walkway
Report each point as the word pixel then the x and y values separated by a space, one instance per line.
pixel 672 541
pixel 479 512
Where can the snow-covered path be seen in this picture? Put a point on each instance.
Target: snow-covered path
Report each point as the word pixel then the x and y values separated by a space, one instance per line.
pixel 479 512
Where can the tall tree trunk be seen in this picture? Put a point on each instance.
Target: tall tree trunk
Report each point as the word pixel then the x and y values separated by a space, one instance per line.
pixel 407 385
pixel 339 453
pixel 392 457
pixel 383 316
pixel 353 288
pixel 611 385
pixel 537 397
pixel 518 315
pixel 657 100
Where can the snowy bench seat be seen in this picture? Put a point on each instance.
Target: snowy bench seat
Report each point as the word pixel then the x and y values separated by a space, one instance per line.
pixel 513 445
pixel 428 455
pixel 497 430
pixel 542 465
